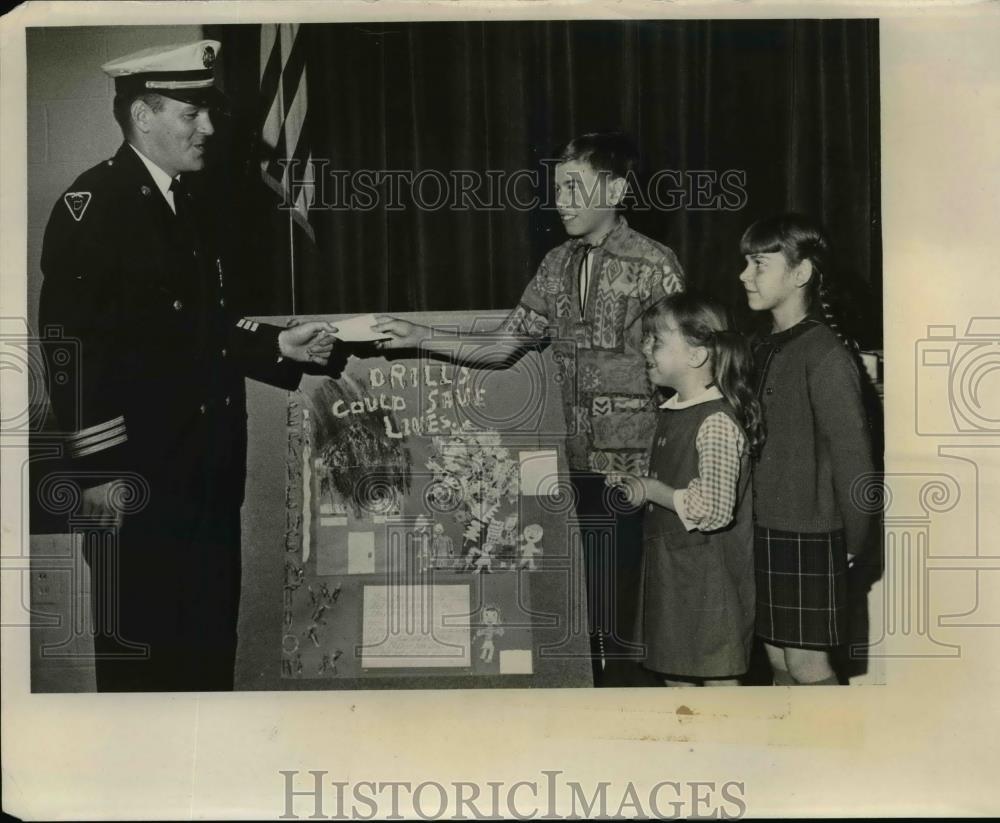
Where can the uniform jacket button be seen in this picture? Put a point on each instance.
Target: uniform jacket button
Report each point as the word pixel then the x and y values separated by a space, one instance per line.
pixel 201 408
pixel 228 399
pixel 769 390
pixel 223 352
pixel 178 305
pixel 222 302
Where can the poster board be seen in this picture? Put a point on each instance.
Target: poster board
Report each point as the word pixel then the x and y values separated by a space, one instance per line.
pixel 409 523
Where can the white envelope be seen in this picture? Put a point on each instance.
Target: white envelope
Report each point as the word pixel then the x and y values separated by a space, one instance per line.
pixel 358 329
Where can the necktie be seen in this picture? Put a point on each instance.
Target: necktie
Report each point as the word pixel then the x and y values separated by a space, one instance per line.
pixel 584 277
pixel 180 194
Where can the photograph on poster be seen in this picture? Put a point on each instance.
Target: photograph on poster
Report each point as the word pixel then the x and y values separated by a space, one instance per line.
pixel 565 344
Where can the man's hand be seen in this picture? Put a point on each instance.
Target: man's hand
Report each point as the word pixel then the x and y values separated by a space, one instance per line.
pixel 96 504
pixel 403 334
pixel 308 342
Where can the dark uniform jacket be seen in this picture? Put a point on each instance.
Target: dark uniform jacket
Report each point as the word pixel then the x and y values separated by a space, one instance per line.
pixel 160 359
pixel 160 365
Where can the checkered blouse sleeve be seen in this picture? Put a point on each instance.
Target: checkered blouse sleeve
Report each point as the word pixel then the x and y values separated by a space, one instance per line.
pixel 709 501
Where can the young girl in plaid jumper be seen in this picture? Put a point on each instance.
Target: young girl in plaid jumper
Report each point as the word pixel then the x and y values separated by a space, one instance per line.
pixel 696 608
pixel 806 527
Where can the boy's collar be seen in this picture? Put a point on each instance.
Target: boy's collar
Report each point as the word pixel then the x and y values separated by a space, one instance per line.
pixel 618 226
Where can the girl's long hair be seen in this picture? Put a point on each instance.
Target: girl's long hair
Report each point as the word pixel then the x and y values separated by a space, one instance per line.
pixel 703 323
pixel 799 238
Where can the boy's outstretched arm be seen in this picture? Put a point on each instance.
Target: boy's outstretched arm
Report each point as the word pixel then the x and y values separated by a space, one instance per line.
pixel 497 348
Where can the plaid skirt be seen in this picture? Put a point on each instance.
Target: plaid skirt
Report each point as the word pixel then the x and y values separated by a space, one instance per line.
pixel 801 588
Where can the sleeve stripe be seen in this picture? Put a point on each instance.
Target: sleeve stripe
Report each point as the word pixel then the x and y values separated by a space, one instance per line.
pixel 100 428
pixel 83 442
pixel 107 444
pixel 248 325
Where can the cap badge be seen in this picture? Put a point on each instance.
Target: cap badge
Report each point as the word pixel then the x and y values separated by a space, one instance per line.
pixel 77 202
pixel 208 57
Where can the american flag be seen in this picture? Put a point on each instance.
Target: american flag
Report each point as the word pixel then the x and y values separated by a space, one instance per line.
pixel 287 166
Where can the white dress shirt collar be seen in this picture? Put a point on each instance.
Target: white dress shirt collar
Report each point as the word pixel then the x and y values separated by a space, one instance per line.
pixel 160 177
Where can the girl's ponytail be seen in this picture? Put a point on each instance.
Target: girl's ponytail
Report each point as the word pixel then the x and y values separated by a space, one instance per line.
pixel 732 368
pixel 822 303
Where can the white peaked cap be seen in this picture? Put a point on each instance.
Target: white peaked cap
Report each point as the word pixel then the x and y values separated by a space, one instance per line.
pixel 185 71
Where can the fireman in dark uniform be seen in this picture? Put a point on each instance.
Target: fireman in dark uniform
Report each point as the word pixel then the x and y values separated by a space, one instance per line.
pixel 135 271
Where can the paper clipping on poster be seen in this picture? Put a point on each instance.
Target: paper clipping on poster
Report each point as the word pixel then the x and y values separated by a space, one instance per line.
pixel 539 473
pixel 416 626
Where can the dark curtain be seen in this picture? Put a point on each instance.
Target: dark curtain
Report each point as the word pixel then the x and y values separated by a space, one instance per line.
pixel 793 104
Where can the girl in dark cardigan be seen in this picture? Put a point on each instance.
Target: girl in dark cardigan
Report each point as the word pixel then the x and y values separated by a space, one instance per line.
pixel 696 612
pixel 807 529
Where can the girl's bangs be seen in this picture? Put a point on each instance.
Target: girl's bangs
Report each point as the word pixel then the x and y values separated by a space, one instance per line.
pixel 654 319
pixel 759 239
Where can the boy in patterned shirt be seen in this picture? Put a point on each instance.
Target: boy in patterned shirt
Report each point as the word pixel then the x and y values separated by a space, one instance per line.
pixel 587 297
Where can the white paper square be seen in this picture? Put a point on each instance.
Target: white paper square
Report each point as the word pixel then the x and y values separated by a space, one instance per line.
pixel 515 661
pixel 539 473
pixel 416 626
pixel 361 553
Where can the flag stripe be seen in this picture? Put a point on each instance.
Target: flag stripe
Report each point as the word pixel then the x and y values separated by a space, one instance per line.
pixel 293 71
pixel 287 162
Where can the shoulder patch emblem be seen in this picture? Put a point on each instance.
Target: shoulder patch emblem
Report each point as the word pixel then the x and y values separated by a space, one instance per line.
pixel 77 202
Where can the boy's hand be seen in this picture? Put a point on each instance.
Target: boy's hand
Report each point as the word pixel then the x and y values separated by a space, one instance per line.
pixel 633 487
pixel 402 333
pixel 308 342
